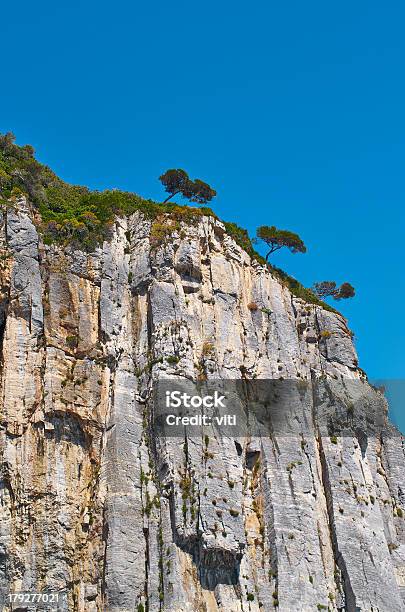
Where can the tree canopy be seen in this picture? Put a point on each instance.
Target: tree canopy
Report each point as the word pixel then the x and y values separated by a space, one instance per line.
pixel 177 181
pixel 346 290
pixel 277 239
pixel 330 289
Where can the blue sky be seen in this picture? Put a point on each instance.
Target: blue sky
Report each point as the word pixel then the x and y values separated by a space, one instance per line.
pixel 293 111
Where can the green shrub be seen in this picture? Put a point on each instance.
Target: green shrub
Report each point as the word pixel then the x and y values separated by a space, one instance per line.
pixel 73 214
pixel 72 341
pixel 172 359
pixel 160 231
pixel 241 238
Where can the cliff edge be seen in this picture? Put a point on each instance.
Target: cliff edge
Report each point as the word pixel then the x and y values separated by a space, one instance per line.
pixel 94 503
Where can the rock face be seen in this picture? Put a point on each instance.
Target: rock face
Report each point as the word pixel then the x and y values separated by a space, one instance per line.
pixel 94 503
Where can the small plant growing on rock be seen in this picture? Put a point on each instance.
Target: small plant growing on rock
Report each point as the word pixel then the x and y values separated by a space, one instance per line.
pixel 161 229
pixel 326 334
pixel 252 306
pixel 72 341
pixel 207 348
pixel 172 359
pixel 266 311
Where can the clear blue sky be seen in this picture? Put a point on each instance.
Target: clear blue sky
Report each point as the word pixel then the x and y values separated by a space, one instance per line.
pixel 293 111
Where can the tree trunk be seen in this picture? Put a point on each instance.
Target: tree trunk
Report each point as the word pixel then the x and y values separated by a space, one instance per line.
pixel 171 196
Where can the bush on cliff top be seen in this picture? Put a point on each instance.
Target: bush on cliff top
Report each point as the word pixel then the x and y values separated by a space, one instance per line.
pixel 74 214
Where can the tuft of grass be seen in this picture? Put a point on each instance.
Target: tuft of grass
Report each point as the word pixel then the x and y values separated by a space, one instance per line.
pixel 326 334
pixel 172 359
pixel 207 349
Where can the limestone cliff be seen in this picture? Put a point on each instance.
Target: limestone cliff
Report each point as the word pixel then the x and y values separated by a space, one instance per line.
pixel 94 503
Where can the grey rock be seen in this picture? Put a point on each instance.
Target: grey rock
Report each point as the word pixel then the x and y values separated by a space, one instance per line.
pixel 93 501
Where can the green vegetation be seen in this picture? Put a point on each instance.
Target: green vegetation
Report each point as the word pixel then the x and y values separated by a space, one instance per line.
pixel 299 290
pixel 72 214
pixel 325 334
pixel 72 341
pixel 177 181
pixel 277 239
pixel 330 289
pixel 208 348
pixel 172 359
pixel 241 238
pixel 266 311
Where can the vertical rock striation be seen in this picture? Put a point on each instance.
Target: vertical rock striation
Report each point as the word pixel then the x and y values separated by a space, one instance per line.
pixel 93 502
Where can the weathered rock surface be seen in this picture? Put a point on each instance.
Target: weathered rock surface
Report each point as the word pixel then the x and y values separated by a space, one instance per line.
pixel 94 503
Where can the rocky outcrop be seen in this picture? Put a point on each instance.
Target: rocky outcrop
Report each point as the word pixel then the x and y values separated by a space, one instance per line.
pixel 94 503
